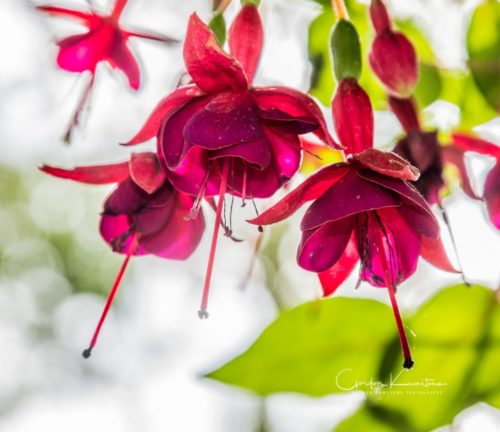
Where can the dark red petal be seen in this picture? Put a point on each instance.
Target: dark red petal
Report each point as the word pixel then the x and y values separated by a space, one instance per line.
pixel 332 278
pixel 245 39
pixel 167 105
pixel 312 188
pixel 492 195
pixel 379 16
pixel 394 61
pixel 387 163
pixel 455 155
pixel 70 13
pixel 474 144
pixel 353 116
pixel 94 174
pixel 179 237
pixel 123 59
pixel 146 171
pixel 350 195
pixel 321 248
pixel 209 66
pixel 433 251
pixel 287 123
pixel 406 112
pixel 228 119
pixel 296 104
pixel 420 220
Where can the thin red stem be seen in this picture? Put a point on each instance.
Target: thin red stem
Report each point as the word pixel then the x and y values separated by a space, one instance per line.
pixel 202 313
pixel 111 296
pixel 408 363
pixel 118 9
pixel 244 188
pixel 81 104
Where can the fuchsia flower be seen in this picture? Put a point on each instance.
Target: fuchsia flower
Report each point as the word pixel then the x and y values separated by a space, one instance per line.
pixel 364 210
pixel 221 134
pixel 145 214
pixel 105 41
pixel 392 56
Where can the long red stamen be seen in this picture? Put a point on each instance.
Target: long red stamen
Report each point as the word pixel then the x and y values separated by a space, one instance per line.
pixel 118 9
pixel 111 296
pixel 203 313
pixel 76 116
pixel 244 188
pixel 408 363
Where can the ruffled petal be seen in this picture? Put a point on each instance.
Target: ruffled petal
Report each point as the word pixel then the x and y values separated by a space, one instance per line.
pixel 165 107
pixel 286 151
pixel 492 195
pixel 350 195
pixel 80 52
pixel 260 183
pixel 332 278
pixel 312 188
pixel 245 39
pixel 433 251
pixel 296 104
pixel 321 248
pixel 287 123
pixel 209 66
pixel 387 163
pixel 146 171
pixel 254 152
pixel 93 174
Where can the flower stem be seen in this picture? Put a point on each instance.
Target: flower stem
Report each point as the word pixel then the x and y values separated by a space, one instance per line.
pixel 408 363
pixel 81 105
pixel 340 10
pixel 111 296
pixel 203 313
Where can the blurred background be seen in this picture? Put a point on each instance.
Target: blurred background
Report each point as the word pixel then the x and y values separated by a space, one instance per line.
pixel 55 271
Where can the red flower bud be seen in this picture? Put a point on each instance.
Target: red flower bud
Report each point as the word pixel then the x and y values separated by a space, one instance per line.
pixel 394 61
pixel 353 116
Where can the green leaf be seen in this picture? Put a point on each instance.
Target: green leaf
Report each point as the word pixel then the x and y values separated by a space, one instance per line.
pixel 346 51
pixel 456 351
pixel 483 44
pixel 311 349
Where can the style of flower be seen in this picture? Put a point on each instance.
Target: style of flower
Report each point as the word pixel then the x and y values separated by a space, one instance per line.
pixel 221 134
pixel 145 214
pixel 104 42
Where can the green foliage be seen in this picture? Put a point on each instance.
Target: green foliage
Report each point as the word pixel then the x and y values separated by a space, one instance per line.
pixel 483 44
pixel 218 25
pixel 346 51
pixel 338 345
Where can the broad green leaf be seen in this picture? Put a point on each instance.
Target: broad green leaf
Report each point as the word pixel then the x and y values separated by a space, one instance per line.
pixel 456 351
pixel 372 420
pixel 313 349
pixel 483 44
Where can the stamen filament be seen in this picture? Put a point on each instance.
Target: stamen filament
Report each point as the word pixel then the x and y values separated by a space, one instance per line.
pixel 118 9
pixel 111 296
pixel 79 108
pixel 203 313
pixel 408 363
pixel 244 188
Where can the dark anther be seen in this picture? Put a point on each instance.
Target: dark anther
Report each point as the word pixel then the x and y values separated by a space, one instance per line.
pixel 408 364
pixel 260 228
pixel 87 352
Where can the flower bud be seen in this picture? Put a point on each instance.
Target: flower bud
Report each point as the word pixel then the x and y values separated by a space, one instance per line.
pixel 394 61
pixel 346 51
pixel 353 116
pixel 379 16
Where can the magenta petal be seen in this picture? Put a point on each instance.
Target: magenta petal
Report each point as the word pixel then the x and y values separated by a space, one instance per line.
pixel 127 198
pixel 93 174
pixel 261 183
pixel 296 104
pixel 420 220
pixel 350 195
pixel 401 242
pixel 209 66
pixel 179 237
pixel 321 248
pixel 146 171
pixel 286 150
pixel 492 195
pixel 433 251
pixel 123 59
pixel 81 52
pixel 228 119
pixel 333 277
pixel 173 101
pixel 254 152
pixel 312 188
pixel 156 212
pixel 117 232
pixel 245 39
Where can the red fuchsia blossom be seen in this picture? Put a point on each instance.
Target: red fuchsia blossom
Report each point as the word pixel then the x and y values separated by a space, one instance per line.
pixel 392 56
pixel 144 215
pixel 223 135
pixel 463 143
pixel 364 210
pixel 104 42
